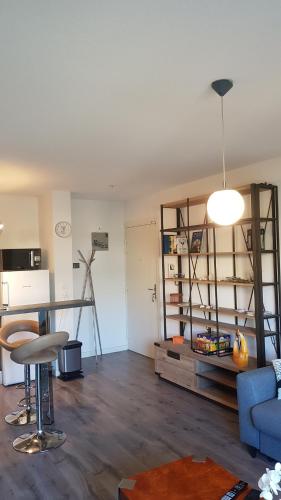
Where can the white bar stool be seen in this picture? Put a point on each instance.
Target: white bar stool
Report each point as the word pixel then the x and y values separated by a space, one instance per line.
pixel 42 350
pixel 28 415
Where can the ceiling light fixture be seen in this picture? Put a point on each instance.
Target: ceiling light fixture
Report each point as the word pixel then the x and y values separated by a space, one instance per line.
pixel 225 206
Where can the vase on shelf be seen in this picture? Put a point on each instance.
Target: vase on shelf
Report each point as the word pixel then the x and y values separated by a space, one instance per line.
pixel 240 350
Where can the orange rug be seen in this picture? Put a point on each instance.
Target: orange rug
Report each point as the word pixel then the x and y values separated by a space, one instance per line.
pixel 183 479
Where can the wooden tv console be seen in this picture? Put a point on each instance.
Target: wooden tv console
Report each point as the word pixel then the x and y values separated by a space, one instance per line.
pixel 213 377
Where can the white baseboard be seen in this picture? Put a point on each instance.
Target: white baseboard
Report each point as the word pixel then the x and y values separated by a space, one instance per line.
pixel 88 354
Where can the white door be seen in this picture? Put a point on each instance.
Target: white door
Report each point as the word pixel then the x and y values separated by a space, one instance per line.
pixel 142 250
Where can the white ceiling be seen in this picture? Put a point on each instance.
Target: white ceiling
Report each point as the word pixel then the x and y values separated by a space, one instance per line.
pixel 95 93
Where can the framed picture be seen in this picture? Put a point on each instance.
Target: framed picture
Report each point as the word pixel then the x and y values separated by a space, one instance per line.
pixel 196 241
pixel 182 247
pixel 100 241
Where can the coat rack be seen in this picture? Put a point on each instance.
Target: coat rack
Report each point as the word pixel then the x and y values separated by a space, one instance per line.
pixel 89 279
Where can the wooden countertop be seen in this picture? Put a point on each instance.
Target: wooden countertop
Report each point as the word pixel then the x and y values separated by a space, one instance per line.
pixel 45 306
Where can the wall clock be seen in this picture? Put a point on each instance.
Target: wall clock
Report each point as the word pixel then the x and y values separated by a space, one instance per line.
pixel 63 229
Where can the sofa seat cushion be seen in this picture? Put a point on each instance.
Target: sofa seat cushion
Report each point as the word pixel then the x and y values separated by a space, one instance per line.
pixel 267 417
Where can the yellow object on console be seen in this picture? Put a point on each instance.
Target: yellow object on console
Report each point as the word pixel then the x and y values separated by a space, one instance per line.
pixel 240 350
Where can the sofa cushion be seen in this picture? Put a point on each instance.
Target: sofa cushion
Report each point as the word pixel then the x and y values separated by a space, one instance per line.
pixel 267 417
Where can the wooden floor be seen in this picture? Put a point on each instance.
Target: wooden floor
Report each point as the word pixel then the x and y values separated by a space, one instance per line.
pixel 120 419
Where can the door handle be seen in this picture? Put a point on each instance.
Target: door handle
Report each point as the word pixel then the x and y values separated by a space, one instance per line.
pixel 154 295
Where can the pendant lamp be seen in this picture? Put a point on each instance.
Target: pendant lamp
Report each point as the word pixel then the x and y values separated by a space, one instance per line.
pixel 226 206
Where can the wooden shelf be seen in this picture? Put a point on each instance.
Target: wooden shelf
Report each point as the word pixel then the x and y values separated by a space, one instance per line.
pixel 222 310
pixel 218 282
pixel 211 254
pixel 211 225
pixel 199 200
pixel 213 282
pixel 219 395
pixel 226 327
pixel 220 376
pixel 220 254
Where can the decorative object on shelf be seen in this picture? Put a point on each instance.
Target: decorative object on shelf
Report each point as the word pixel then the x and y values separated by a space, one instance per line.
pixel 63 229
pixel 226 206
pixel 249 239
pixel 175 298
pixel 269 483
pixel 171 270
pixel 178 276
pixel 240 350
pixel 236 279
pixel 196 241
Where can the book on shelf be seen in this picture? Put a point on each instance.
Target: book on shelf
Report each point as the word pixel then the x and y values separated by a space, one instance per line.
pixel 196 241
pixel 169 244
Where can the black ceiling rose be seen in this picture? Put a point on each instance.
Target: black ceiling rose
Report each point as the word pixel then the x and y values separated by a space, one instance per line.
pixel 221 87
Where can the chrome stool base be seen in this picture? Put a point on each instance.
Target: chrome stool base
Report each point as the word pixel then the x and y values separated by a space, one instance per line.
pixel 22 417
pixel 35 442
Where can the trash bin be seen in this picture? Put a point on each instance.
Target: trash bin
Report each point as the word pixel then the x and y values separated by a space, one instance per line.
pixel 70 360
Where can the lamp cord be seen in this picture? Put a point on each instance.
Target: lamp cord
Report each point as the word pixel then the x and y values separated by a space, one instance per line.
pixel 223 152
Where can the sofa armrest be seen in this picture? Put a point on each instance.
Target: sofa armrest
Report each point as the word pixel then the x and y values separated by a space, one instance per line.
pixel 253 387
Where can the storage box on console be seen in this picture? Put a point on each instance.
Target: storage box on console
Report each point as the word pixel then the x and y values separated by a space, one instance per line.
pixel 208 343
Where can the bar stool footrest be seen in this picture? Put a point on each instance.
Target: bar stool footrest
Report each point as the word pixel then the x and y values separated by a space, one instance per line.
pixel 23 404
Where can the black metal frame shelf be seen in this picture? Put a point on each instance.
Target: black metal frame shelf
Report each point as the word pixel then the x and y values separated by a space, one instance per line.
pixel 269 224
pixel 196 227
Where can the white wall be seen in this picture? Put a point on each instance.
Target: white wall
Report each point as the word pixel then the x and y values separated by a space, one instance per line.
pixel 19 215
pixel 147 208
pixel 57 254
pixel 108 272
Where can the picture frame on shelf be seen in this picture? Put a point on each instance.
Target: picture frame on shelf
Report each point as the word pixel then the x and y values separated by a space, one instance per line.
pixel 181 244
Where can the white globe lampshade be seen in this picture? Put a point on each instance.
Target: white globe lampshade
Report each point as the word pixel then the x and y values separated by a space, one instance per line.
pixel 225 207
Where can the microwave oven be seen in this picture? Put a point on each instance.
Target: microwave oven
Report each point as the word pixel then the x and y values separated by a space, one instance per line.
pixel 20 259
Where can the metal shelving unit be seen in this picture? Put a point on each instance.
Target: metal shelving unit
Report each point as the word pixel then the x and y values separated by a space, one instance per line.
pixel 263 216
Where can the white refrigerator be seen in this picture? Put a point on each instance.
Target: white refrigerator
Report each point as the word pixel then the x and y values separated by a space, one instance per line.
pixel 20 288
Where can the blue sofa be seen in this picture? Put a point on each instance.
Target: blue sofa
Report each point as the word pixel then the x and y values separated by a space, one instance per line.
pixel 260 412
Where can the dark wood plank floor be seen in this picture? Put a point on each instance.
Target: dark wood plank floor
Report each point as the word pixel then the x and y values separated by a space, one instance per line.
pixel 120 419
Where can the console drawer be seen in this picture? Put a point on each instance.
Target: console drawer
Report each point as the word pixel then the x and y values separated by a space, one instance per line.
pixel 173 358
pixel 175 373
